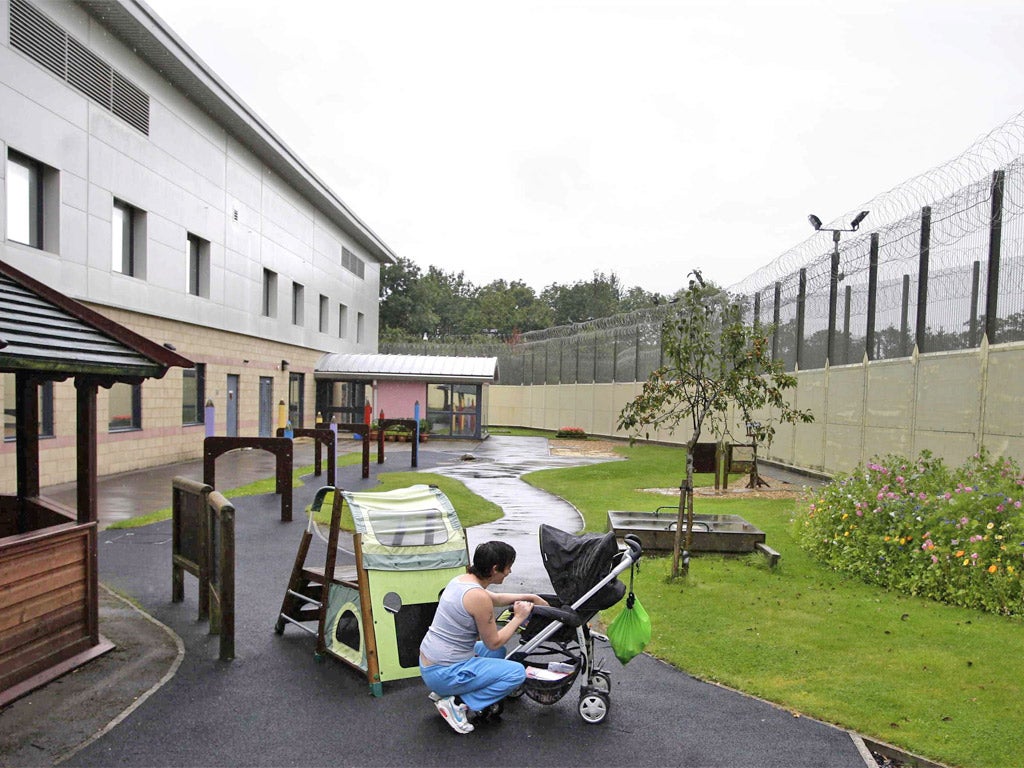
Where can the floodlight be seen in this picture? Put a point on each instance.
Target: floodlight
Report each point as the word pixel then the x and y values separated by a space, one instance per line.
pixel 815 221
pixel 858 219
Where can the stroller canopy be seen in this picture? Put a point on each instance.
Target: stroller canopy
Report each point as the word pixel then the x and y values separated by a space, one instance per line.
pixel 578 563
pixel 408 529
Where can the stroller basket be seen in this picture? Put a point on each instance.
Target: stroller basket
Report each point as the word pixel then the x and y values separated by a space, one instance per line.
pixel 546 686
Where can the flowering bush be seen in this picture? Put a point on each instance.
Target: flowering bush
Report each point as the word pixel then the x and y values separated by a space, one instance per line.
pixel 956 536
pixel 570 432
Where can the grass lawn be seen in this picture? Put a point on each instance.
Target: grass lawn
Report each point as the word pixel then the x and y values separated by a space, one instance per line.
pixel 257 488
pixel 940 681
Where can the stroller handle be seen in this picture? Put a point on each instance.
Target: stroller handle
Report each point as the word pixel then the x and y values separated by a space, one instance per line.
pixel 636 549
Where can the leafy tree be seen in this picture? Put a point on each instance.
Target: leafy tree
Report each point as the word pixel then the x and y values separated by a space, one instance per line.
pixel 713 361
pixel 503 308
pixel 584 300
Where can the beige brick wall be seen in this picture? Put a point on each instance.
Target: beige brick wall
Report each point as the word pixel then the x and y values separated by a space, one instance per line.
pixel 163 439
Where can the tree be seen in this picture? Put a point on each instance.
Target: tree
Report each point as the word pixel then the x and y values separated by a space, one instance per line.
pixel 713 361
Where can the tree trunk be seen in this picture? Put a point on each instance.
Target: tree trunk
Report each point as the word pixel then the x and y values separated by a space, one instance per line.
pixel 684 517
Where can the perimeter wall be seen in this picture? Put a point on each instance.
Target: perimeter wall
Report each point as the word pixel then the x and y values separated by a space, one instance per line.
pixel 950 403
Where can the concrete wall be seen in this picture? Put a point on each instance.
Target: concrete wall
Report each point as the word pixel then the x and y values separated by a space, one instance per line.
pixel 187 176
pixel 950 403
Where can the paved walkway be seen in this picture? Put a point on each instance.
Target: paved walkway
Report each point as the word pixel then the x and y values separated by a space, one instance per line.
pixel 275 705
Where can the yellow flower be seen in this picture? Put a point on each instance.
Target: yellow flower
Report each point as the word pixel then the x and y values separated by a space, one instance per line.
pixel 990 526
pixel 1009 569
pixel 845 515
pixel 967 561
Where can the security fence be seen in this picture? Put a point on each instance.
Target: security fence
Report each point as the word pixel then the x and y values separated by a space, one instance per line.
pixel 943 269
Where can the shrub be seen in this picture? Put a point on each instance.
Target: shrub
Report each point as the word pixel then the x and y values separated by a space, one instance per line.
pixel 571 432
pixel 956 536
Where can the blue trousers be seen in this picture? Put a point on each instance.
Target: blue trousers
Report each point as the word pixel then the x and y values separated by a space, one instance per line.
pixel 480 681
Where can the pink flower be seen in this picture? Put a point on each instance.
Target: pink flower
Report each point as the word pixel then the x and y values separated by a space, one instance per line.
pixel 935 559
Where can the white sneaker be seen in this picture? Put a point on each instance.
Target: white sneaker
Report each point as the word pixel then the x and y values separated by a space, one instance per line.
pixel 454 714
pixel 434 696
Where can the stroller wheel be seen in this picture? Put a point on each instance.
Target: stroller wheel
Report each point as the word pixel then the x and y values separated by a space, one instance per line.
pixel 594 706
pixel 517 693
pixel 601 681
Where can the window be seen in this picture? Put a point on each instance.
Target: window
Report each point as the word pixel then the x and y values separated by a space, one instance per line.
pixel 454 409
pixel 296 398
pixel 197 253
pixel 269 293
pixel 342 321
pixel 10 408
pixel 325 306
pixel 128 240
pixel 360 327
pixel 193 395
pixel 125 407
pixel 352 263
pixel 33 200
pixel 298 297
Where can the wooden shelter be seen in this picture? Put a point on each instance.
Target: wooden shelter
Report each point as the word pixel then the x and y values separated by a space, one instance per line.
pixel 49 616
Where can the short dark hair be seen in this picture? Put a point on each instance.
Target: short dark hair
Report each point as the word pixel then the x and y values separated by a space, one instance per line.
pixel 490 554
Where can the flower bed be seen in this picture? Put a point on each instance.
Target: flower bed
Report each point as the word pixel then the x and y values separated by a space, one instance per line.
pixel 577 432
pixel 956 536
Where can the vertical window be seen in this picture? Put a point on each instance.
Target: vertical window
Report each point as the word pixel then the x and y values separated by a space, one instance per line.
pixel 125 411
pixel 193 395
pixel 342 321
pixel 325 308
pixel 24 200
pixel 298 298
pixel 197 252
pixel 10 408
pixel 360 327
pixel 128 240
pixel 296 398
pixel 269 293
pixel 352 263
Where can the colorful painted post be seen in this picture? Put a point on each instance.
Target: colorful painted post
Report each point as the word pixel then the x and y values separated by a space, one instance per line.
pixel 416 416
pixel 282 414
pixel 209 413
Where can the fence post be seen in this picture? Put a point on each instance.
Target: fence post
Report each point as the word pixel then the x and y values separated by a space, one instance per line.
pixel 776 316
pixel 869 341
pixel 801 300
pixel 905 317
pixel 972 341
pixel 848 296
pixel 922 277
pixel 995 236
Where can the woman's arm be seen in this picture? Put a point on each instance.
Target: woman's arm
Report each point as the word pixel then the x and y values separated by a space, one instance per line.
pixel 501 599
pixel 480 606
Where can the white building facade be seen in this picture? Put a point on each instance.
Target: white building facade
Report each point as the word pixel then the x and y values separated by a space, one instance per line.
pixel 133 180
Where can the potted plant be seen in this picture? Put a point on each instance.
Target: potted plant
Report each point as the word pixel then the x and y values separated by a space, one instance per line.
pixel 424 430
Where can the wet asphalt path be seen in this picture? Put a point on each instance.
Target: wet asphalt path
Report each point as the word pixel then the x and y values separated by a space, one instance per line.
pixel 275 705
pixel 494 473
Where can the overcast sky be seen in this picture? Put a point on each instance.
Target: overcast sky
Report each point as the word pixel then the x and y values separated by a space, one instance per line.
pixel 542 141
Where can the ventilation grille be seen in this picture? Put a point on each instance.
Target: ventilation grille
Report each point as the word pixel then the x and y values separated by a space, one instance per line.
pixel 352 263
pixel 38 37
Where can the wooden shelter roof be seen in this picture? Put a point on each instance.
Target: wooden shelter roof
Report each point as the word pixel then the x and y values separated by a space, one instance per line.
pixel 45 332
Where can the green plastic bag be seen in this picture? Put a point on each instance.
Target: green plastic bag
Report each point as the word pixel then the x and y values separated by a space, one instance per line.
pixel 630 632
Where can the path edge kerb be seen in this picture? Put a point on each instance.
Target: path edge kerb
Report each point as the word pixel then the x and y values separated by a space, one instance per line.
pixel 171 671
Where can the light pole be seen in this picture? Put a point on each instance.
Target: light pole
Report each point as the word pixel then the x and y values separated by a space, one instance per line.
pixel 833 283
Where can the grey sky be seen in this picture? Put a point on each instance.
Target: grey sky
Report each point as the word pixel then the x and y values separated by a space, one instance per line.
pixel 544 140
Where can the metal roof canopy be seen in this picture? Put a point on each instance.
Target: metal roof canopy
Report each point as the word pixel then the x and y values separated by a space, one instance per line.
pixel 407 367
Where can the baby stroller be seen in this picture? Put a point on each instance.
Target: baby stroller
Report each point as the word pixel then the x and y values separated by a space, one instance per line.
pixel 557 646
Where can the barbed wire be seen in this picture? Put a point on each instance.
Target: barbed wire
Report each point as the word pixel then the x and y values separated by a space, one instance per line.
pixel 957 183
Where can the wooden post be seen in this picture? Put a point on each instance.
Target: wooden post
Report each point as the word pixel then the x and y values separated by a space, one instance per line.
pixel 366 610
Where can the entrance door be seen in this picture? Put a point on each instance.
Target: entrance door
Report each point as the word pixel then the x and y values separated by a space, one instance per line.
pixel 266 406
pixel 232 405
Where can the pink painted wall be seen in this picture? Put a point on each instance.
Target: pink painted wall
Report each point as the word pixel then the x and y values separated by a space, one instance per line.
pixel 398 399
